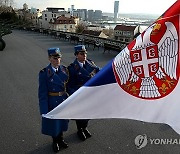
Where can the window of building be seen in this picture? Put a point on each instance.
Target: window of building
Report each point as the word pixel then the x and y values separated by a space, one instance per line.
pixel 71 26
pixel 45 15
pixel 121 39
pixel 46 19
pixel 126 40
pixel 126 33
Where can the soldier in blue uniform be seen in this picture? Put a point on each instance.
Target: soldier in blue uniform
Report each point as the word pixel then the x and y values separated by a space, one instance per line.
pixel 51 93
pixel 80 71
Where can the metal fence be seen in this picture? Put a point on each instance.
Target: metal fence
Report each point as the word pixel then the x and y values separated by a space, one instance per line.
pixel 78 38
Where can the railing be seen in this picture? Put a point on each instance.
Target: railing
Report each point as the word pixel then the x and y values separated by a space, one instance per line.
pixel 78 38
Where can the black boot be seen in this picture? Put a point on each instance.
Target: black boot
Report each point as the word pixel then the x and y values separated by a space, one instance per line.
pixel 81 134
pixel 63 144
pixel 87 133
pixel 55 145
pixel 61 141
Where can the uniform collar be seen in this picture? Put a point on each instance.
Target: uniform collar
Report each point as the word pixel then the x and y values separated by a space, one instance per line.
pixel 54 69
pixel 51 70
pixel 80 64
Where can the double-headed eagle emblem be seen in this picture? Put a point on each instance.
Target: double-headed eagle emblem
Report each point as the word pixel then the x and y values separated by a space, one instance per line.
pixel 148 69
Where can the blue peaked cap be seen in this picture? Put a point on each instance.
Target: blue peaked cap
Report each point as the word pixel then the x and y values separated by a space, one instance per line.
pixel 79 48
pixel 54 52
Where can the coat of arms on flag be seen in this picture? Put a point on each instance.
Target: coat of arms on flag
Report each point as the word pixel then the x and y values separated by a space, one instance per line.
pixel 148 67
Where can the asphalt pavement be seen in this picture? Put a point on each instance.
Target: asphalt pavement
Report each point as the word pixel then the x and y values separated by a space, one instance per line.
pixel 20 122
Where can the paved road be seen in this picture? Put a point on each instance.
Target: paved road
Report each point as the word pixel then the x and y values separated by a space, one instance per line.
pixel 20 124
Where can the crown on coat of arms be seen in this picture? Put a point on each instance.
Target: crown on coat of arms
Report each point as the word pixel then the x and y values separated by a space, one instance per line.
pixel 156 29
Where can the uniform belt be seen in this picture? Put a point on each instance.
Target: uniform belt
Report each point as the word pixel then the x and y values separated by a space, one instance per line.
pixel 56 93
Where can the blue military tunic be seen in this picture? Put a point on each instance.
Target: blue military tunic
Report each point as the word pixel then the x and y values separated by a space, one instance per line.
pixel 78 75
pixel 49 81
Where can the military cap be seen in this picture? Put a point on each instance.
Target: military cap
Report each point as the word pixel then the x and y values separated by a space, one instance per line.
pixel 79 48
pixel 54 52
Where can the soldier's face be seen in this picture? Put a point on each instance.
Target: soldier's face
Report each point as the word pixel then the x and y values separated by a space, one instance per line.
pixel 81 56
pixel 55 61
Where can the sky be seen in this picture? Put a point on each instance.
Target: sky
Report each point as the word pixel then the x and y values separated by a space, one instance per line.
pixel 125 6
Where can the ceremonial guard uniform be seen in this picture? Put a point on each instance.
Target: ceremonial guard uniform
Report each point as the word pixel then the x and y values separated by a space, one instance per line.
pixel 52 92
pixel 80 71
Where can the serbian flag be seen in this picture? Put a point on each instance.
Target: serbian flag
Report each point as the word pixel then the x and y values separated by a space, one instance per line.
pixel 141 82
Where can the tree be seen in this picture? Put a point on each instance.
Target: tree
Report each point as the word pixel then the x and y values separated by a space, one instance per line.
pixel 6 2
pixel 8 16
pixel 80 27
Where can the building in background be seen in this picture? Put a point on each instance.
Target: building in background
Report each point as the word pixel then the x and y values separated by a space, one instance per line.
pixel 25 7
pixel 97 15
pixel 29 15
pixel 72 9
pixel 50 14
pixel 90 15
pixel 95 27
pixel 35 14
pixel 24 14
pixel 116 10
pixel 126 33
pixel 63 23
pixel 81 14
pixel 95 33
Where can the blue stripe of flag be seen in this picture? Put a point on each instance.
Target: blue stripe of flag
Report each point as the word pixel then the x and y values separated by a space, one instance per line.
pixel 105 76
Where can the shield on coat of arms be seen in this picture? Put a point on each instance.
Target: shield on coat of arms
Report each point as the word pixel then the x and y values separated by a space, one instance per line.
pixel 145 61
